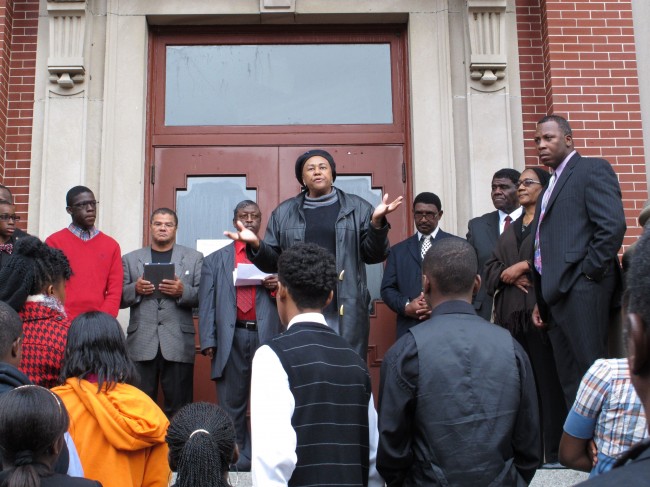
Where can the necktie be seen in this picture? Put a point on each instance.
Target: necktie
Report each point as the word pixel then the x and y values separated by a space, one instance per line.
pixel 507 222
pixel 537 259
pixel 7 248
pixel 425 245
pixel 244 298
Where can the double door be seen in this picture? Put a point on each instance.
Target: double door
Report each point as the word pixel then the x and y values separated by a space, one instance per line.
pixel 204 184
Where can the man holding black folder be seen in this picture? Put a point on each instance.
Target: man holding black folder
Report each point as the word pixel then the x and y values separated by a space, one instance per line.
pixel 161 286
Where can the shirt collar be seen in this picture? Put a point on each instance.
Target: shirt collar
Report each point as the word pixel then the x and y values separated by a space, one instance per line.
pixel 83 234
pixel 514 215
pixel 558 170
pixel 432 234
pixel 307 317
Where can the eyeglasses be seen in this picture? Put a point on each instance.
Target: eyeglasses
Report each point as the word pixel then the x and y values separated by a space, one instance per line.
pixel 6 217
pixel 84 204
pixel 527 182
pixel 429 215
pixel 163 224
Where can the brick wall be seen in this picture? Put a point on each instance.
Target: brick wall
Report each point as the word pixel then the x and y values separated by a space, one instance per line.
pixel 16 120
pixel 578 59
pixel 6 17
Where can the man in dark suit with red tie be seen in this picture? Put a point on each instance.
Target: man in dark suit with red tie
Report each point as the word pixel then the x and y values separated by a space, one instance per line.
pixel 484 231
pixel 579 227
pixel 401 287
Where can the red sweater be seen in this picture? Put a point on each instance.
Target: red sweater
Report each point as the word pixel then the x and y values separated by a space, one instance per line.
pixel 45 333
pixel 96 282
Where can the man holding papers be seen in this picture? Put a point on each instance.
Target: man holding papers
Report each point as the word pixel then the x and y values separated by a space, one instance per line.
pixel 234 320
pixel 160 336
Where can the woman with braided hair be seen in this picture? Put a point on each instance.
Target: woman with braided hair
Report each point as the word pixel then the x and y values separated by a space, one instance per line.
pixel 45 324
pixel 32 423
pixel 201 440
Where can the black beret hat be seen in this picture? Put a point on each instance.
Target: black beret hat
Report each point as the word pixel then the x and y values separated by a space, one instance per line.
pixel 300 162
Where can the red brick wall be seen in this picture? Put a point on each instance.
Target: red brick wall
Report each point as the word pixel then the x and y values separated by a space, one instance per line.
pixel 578 59
pixel 6 17
pixel 19 49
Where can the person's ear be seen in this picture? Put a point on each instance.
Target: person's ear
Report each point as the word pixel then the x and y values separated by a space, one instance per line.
pixel 17 347
pixel 235 455
pixel 49 290
pixel 69 210
pixel 639 345
pixel 56 448
pixel 426 284
pixel 477 285
pixel 329 299
pixel 281 292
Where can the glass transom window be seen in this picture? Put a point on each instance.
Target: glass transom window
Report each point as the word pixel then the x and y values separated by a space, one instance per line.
pixel 278 84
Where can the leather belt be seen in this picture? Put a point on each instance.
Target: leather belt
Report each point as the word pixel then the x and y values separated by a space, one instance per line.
pixel 247 325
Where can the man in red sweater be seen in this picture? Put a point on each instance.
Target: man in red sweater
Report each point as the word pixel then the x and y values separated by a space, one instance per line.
pixel 95 258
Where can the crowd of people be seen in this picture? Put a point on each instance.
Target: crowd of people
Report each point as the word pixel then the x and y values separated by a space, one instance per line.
pixel 500 364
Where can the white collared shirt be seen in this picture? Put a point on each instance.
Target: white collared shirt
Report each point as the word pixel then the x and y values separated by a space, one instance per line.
pixel 502 218
pixel 432 234
pixel 272 404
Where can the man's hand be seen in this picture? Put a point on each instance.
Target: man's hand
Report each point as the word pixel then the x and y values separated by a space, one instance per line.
pixel 514 272
pixel 270 283
pixel 523 283
pixel 245 235
pixel 209 352
pixel 537 319
pixel 418 309
pixel 383 209
pixel 145 288
pixel 172 287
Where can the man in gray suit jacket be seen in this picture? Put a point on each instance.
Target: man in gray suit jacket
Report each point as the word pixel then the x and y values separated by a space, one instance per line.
pixel 160 336
pixel 576 271
pixel 231 330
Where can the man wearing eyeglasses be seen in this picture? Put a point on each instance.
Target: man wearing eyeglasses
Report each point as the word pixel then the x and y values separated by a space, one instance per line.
pixel 5 194
pixel 95 258
pixel 401 287
pixel 160 336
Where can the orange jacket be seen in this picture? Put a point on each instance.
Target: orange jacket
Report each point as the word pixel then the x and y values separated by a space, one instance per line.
pixel 119 434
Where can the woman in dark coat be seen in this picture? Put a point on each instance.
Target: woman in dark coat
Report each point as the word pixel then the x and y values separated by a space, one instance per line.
pixel 508 280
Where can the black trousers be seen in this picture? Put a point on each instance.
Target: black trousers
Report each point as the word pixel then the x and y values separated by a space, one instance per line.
pixel 176 379
pixel 234 386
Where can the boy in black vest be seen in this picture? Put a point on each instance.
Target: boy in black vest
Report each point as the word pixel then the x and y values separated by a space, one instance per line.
pixel 313 419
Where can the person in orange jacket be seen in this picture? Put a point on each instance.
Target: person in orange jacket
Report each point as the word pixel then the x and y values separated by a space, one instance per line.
pixel 119 431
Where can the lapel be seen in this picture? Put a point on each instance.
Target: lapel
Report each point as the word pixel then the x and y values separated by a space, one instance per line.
pixel 144 257
pixel 178 255
pixel 559 184
pixel 413 246
pixel 493 227
pixel 227 267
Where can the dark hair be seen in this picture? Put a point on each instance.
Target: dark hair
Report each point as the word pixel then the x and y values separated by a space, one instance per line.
pixel 11 327
pixel 428 199
pixel 164 211
pixel 96 346
pixel 73 192
pixel 542 174
pixel 452 264
pixel 507 173
pixel 32 420
pixel 308 271
pixel 6 202
pixel 561 122
pixel 50 264
pixel 11 196
pixel 201 440
pixel 638 279
pixel 300 162
pixel 243 204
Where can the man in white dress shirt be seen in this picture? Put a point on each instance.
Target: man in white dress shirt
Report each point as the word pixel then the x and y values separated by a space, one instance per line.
pixel 313 419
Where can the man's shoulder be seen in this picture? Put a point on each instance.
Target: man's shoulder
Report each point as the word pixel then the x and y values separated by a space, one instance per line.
pixel 484 218
pixel 107 240
pixel 189 251
pixel 401 246
pixel 142 251
pixel 57 236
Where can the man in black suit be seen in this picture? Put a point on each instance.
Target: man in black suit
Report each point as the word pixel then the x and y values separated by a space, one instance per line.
pixel 576 269
pixel 401 287
pixel 484 231
pixel 633 466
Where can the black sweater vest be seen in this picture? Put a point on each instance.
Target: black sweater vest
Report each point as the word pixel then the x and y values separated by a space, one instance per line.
pixel 331 387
